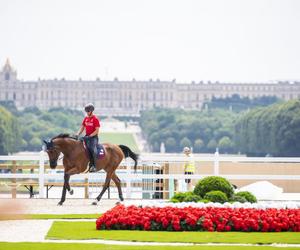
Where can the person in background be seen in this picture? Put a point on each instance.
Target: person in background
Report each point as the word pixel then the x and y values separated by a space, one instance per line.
pixel 91 125
pixel 189 167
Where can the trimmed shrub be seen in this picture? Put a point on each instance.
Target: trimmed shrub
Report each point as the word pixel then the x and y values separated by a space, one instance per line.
pixel 192 198
pixel 179 197
pixel 204 201
pixel 213 183
pixel 247 195
pixel 216 196
pixel 237 198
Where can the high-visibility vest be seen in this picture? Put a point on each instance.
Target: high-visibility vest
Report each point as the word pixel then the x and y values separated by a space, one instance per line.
pixel 189 166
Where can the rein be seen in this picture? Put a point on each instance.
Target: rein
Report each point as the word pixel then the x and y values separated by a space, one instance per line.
pixel 60 158
pixel 59 153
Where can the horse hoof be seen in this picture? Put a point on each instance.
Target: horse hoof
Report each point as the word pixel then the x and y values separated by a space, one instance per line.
pixel 71 192
pixel 59 203
pixel 94 203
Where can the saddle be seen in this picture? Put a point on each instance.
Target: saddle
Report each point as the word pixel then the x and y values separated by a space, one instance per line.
pixel 100 150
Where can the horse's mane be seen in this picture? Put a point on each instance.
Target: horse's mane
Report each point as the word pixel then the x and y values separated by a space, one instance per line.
pixel 64 135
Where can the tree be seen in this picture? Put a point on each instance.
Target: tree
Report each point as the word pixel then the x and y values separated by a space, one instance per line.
pixel 238 104
pixel 225 145
pixel 212 145
pixel 9 132
pixel 185 142
pixel 171 144
pixel 35 144
pixel 192 125
pixel 198 145
pixel 272 130
pixel 9 106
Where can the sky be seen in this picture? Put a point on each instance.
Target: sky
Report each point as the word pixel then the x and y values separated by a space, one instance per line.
pixel 186 40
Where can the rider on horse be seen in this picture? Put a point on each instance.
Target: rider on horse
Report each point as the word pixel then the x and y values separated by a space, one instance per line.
pixel 91 125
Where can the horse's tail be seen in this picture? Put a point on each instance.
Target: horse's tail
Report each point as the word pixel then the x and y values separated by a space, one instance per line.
pixel 128 153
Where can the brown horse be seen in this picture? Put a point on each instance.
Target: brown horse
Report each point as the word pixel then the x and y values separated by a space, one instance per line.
pixel 75 161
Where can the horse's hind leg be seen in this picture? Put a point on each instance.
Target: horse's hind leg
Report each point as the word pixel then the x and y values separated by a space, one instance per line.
pixel 105 186
pixel 117 181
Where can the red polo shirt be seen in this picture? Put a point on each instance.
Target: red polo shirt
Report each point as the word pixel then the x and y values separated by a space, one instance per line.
pixel 90 124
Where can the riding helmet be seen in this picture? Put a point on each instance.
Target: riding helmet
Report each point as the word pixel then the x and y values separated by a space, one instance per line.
pixel 89 107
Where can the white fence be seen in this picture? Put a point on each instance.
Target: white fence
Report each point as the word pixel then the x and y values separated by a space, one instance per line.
pixel 128 176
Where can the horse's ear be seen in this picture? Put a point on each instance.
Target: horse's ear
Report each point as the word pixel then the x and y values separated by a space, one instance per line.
pixel 45 142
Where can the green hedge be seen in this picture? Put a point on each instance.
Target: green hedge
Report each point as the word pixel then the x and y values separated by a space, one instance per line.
pixel 213 183
pixel 216 196
pixel 246 195
pixel 185 197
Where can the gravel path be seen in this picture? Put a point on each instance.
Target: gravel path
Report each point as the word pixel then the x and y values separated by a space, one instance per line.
pixel 24 230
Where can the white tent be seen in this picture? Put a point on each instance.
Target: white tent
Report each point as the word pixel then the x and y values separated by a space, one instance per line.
pixel 263 190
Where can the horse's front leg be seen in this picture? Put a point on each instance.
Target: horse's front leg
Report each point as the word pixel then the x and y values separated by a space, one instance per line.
pixel 65 188
pixel 70 190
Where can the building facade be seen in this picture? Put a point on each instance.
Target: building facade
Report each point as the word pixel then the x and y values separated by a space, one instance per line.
pixel 130 97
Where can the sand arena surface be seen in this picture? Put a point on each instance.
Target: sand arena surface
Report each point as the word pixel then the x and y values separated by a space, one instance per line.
pixel 49 206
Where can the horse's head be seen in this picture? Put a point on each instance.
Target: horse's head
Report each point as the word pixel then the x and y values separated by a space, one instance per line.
pixel 52 152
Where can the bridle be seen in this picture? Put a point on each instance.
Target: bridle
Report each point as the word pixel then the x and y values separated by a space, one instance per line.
pixel 51 147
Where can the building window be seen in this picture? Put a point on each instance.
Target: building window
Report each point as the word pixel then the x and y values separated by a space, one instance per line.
pixel 7 76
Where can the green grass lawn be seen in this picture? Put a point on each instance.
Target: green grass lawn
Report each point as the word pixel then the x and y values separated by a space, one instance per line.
pixel 87 230
pixel 120 138
pixel 76 246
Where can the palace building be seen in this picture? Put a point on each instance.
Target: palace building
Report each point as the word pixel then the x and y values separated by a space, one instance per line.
pixel 122 98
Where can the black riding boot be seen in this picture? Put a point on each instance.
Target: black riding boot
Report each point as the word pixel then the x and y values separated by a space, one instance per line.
pixel 92 146
pixel 92 165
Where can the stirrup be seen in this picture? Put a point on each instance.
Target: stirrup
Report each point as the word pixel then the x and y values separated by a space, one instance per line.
pixel 92 169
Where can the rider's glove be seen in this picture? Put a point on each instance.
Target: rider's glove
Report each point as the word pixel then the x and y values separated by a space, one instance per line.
pixel 86 137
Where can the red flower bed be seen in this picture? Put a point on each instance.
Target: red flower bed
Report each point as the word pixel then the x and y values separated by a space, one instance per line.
pixel 200 219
